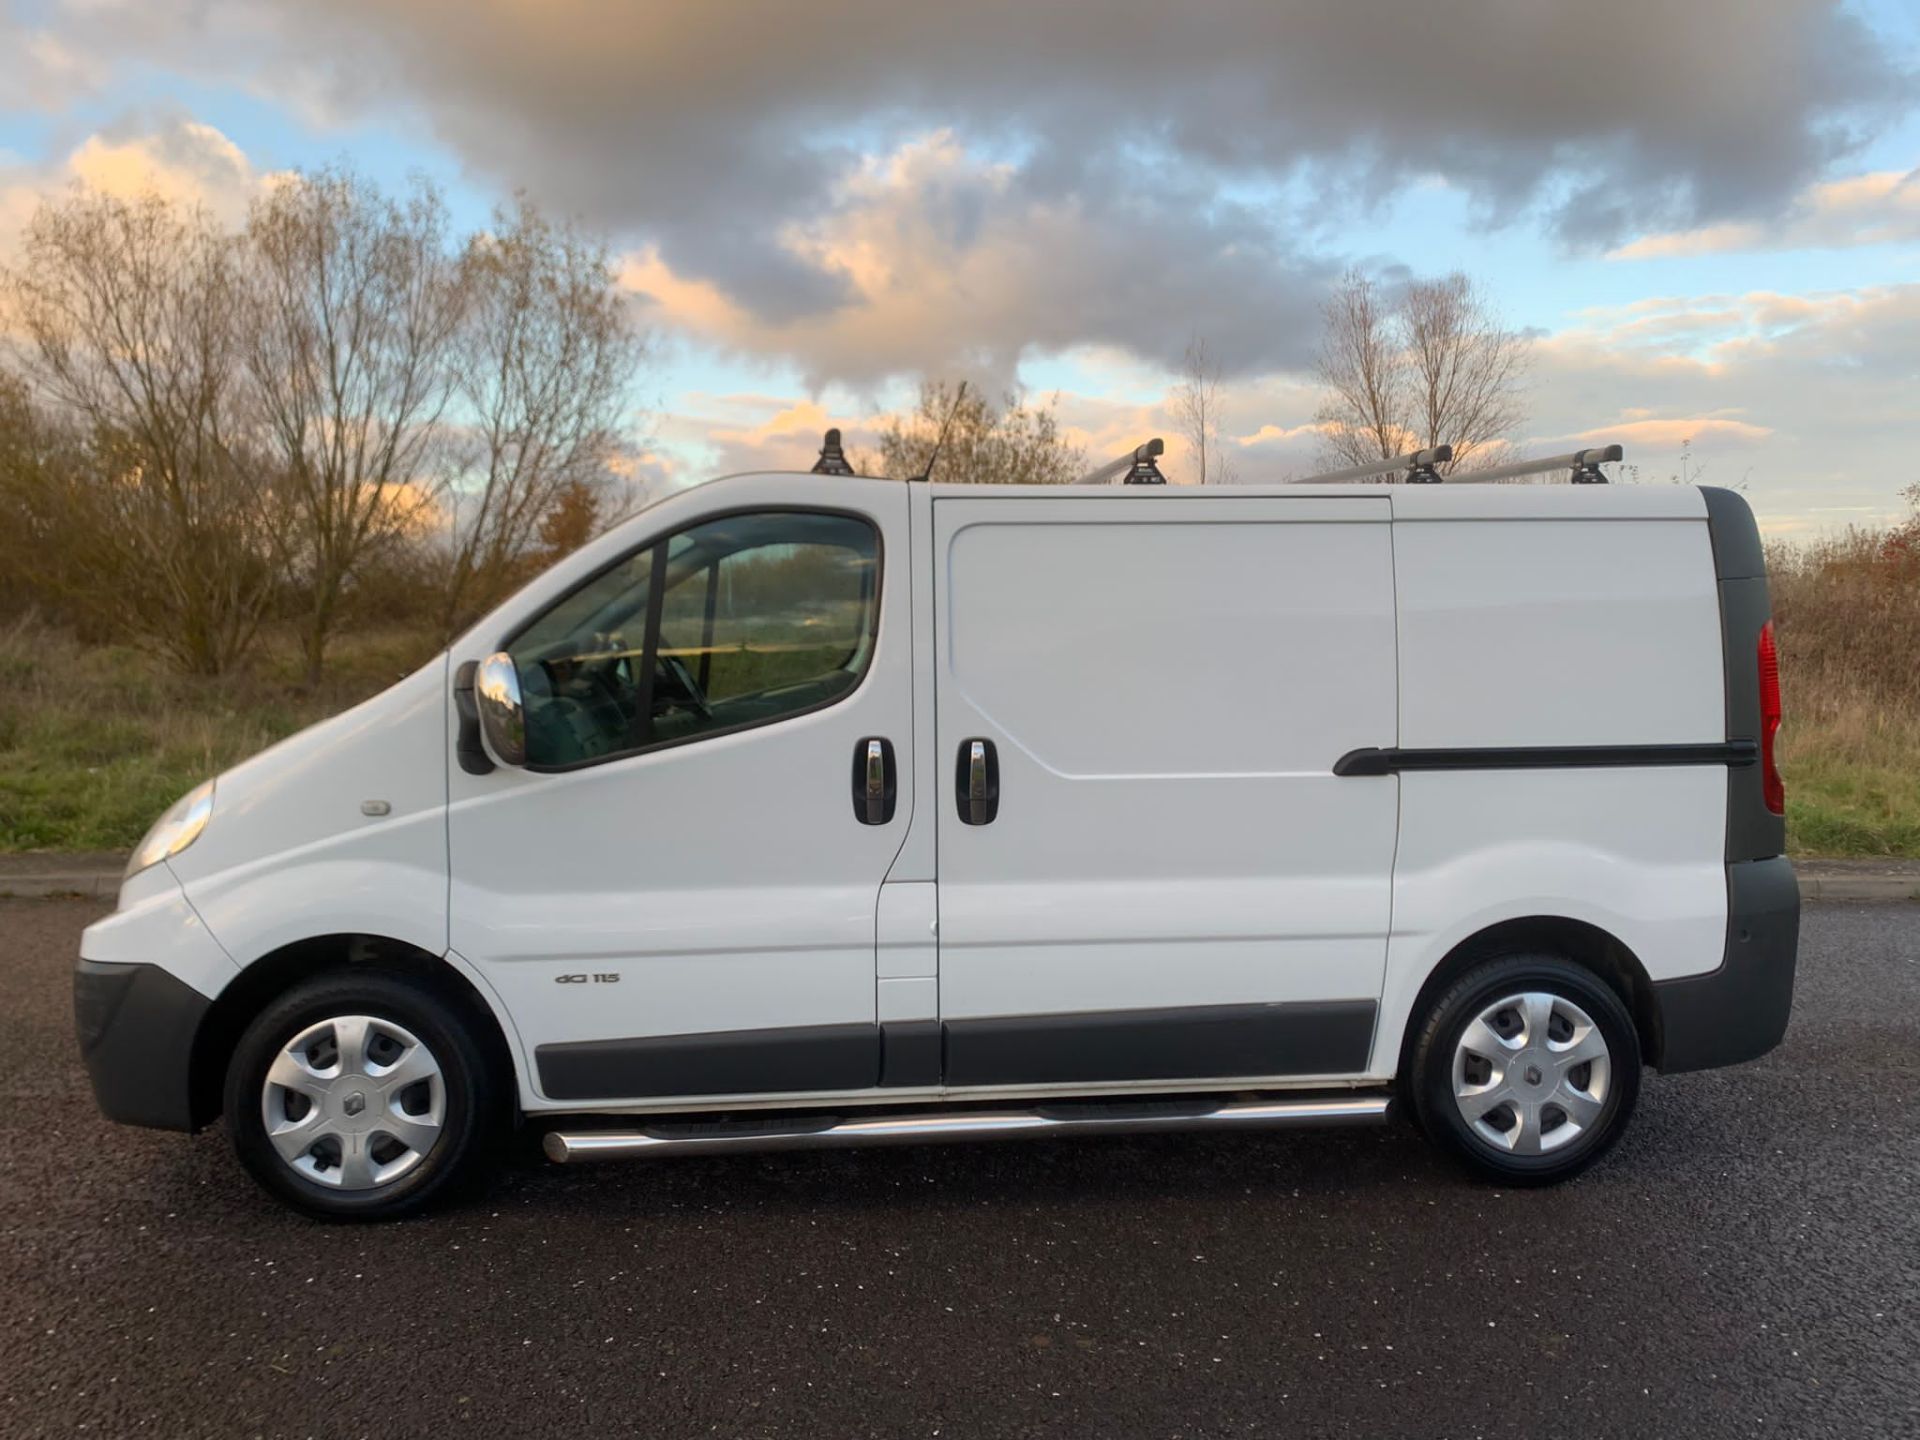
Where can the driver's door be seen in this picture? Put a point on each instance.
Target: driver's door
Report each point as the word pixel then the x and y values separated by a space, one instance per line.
pixel 677 897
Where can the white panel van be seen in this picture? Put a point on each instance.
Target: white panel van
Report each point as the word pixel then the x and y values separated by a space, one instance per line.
pixel 809 810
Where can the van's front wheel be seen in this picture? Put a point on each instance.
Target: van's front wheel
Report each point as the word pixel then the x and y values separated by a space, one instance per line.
pixel 359 1095
pixel 1527 1067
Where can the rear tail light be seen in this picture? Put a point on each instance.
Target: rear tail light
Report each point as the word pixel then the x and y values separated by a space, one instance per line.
pixel 1771 787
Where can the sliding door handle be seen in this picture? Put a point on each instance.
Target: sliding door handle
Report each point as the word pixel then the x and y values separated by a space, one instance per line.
pixel 876 783
pixel 976 784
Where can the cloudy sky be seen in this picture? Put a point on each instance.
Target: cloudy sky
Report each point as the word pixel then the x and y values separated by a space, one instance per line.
pixel 1708 212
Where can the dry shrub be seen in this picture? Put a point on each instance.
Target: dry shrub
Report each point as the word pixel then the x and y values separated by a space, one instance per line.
pixel 1847 615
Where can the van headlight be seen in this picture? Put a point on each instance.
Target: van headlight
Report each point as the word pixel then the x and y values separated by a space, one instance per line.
pixel 175 830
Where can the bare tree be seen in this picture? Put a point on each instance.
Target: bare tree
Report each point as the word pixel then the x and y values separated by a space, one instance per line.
pixel 1196 409
pixel 355 311
pixel 1010 444
pixel 545 365
pixel 1467 368
pixel 1363 367
pixel 154 519
pixel 1428 365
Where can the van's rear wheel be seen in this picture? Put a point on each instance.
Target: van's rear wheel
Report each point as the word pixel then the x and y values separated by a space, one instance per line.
pixel 1528 1068
pixel 360 1095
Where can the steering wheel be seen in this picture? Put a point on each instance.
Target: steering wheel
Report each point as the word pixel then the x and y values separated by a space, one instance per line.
pixel 683 677
pixel 602 681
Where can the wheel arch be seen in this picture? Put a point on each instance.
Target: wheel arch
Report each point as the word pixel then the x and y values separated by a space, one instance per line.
pixel 1580 941
pixel 258 984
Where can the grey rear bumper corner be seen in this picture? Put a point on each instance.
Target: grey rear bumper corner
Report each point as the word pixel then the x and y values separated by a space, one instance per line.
pixel 1738 1012
pixel 136 1025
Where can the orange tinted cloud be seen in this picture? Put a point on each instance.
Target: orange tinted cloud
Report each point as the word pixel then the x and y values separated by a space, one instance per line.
pixel 184 161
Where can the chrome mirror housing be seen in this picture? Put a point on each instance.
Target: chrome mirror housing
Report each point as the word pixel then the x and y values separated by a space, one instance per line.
pixel 503 721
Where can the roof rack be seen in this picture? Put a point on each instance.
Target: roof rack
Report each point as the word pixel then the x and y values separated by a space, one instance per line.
pixel 1418 465
pixel 1136 467
pixel 833 460
pixel 1582 466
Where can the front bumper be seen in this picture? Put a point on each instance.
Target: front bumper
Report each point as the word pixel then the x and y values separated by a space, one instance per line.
pixel 1740 1011
pixel 136 1024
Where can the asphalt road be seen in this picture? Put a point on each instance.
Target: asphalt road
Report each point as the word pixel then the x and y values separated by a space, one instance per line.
pixel 1746 1263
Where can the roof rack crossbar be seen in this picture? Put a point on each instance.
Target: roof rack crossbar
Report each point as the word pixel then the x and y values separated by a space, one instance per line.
pixel 1136 467
pixel 1418 465
pixel 1582 466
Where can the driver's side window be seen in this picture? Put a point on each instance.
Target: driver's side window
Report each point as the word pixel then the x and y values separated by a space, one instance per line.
pixel 736 622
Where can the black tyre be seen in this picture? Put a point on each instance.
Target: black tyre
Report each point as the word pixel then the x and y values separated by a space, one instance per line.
pixel 1527 1067
pixel 363 1094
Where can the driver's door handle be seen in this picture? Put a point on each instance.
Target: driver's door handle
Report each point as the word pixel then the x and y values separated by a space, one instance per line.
pixel 876 783
pixel 976 782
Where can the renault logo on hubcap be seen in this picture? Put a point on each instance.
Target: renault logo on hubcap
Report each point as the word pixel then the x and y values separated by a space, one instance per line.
pixel 354 1103
pixel 1533 1076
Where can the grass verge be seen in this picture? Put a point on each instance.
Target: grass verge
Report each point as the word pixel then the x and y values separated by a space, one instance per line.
pixel 1853 786
pixel 95 741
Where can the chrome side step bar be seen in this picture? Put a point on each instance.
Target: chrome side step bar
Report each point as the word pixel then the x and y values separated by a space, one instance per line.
pixel 926 1127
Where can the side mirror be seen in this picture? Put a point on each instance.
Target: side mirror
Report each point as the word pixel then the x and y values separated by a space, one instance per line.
pixel 503 722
